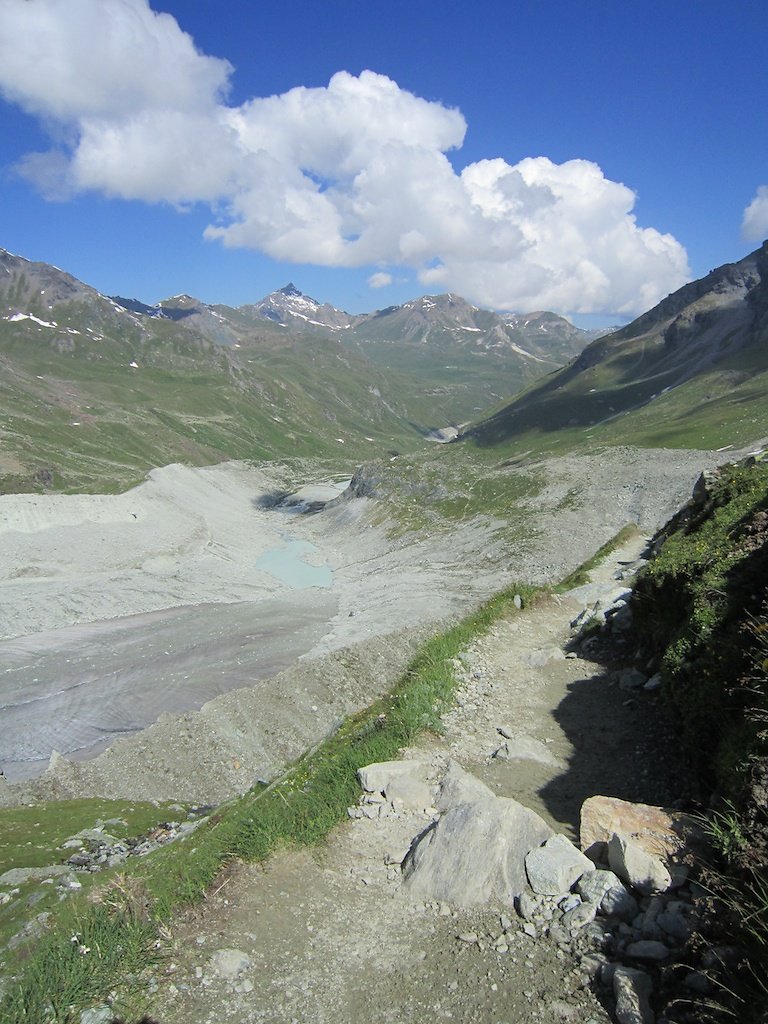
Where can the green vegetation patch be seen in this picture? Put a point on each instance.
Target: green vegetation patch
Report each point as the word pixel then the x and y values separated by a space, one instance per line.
pixel 702 607
pixel 693 606
pixel 77 964
pixel 51 823
pixel 32 836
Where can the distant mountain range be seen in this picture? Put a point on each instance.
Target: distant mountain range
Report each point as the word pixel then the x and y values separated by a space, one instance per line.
pixel 445 321
pixel 97 388
pixel 692 371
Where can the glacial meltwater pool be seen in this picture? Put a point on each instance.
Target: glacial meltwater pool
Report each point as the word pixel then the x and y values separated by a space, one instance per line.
pixel 288 564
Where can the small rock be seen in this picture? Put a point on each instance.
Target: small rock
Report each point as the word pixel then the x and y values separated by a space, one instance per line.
pixel 525 748
pixel 560 1010
pixel 619 902
pixel 648 949
pixel 542 657
pixel 632 679
pixel 591 964
pixel 526 906
pixel 229 964
pixel 654 683
pixel 404 781
pixel 559 935
pixel 554 867
pixel 469 937
pixel 675 924
pixel 97 1015
pixel 580 916
pixel 594 884
pixel 599 936
pixel 640 869
pixel 632 990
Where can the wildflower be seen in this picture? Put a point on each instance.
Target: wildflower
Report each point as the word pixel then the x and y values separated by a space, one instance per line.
pixel 82 950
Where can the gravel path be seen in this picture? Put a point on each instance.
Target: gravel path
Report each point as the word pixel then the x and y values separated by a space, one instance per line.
pixel 329 935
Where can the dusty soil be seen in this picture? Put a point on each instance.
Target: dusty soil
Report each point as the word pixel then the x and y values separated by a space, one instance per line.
pixel 330 935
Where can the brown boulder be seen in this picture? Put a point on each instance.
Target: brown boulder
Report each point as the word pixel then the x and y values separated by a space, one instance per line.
pixel 670 835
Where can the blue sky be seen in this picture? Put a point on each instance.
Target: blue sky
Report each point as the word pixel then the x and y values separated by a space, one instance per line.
pixel 586 157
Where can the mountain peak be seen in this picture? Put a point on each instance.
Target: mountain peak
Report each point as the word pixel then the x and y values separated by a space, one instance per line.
pixel 290 289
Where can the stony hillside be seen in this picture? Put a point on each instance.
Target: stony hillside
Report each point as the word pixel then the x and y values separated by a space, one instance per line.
pixel 693 370
pixel 446 341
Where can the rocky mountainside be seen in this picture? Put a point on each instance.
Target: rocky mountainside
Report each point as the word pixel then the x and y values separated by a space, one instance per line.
pixel 439 322
pixel 448 320
pixel 696 363
pixel 444 341
pixel 441 339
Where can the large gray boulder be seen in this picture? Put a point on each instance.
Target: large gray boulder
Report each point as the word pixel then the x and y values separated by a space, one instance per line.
pixel 475 853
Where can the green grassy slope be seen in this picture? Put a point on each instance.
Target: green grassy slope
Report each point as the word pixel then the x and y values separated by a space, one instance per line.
pixel 693 372
pixel 701 609
pixel 74 413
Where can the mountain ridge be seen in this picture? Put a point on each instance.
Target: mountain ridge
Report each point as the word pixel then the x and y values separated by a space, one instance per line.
pixel 678 362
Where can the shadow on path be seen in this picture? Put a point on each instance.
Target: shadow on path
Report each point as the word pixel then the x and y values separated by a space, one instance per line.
pixel 623 746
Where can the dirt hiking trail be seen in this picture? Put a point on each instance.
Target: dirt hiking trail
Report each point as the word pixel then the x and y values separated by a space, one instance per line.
pixel 329 936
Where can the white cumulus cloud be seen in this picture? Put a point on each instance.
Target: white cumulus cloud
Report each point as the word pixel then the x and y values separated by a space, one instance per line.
pixel 351 174
pixel 754 226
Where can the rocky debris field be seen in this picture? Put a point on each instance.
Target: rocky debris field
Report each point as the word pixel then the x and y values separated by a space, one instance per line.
pixel 105 594
pixel 527 864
